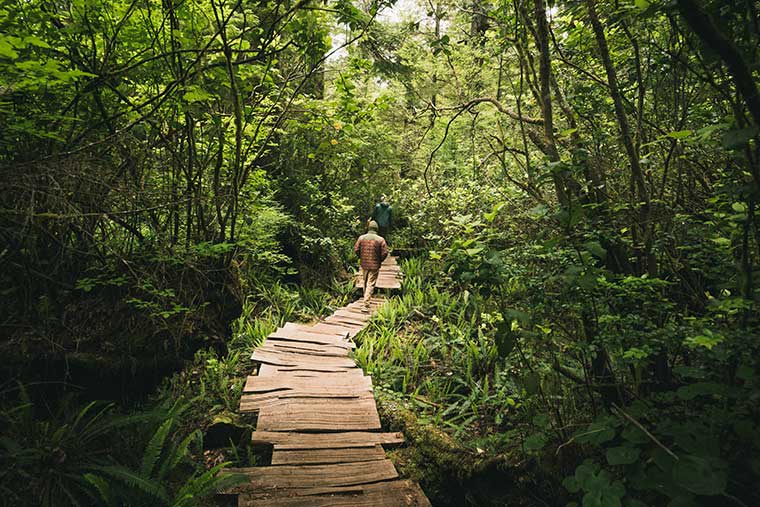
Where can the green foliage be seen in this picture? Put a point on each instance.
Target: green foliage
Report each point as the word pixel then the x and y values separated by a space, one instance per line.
pixel 162 458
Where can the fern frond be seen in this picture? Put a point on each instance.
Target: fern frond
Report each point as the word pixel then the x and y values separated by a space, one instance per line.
pixel 135 480
pixel 180 452
pixel 208 483
pixel 154 448
pixel 102 487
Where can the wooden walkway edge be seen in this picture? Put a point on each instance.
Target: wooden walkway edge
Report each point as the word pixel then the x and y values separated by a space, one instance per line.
pixel 317 412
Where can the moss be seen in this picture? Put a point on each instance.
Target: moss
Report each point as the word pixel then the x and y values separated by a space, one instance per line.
pixel 453 475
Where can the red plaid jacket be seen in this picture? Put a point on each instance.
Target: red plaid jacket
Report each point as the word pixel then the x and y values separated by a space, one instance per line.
pixel 372 250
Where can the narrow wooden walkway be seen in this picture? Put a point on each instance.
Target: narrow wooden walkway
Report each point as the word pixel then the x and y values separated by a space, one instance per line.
pixel 388 278
pixel 316 409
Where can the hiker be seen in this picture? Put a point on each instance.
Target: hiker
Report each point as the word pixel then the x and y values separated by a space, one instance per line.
pixel 372 251
pixel 383 215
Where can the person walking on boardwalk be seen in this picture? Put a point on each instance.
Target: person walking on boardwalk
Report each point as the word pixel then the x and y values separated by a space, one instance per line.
pixel 372 251
pixel 383 215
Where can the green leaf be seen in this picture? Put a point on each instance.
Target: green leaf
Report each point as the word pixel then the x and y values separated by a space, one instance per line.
pixel 696 475
pixel 491 216
pixel 641 5
pixel 679 134
pixel 622 455
pixel 596 433
pixel 36 41
pixel 535 442
pixel 195 94
pixel 739 207
pixel 691 391
pixel 7 50
pixel 707 339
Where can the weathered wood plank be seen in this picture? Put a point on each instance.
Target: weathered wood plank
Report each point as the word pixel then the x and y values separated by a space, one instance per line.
pixel 348 319
pixel 277 478
pixel 326 456
pixel 307 348
pixel 272 400
pixel 353 313
pixel 350 329
pixel 395 493
pixel 309 335
pixel 291 440
pixel 318 415
pixel 267 355
pixel 284 381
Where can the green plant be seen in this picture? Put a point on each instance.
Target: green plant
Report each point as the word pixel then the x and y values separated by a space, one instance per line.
pixel 154 480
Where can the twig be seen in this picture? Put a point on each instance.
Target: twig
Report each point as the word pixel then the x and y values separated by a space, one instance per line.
pixel 642 428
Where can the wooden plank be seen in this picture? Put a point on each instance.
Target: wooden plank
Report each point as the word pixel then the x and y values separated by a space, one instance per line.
pixel 282 477
pixel 312 369
pixel 355 313
pixel 291 440
pixel 306 348
pixel 309 335
pixel 279 358
pixel 307 371
pixel 272 400
pixel 350 329
pixel 263 384
pixel 326 456
pixel 319 415
pixel 395 493
pixel 295 414
pixel 350 320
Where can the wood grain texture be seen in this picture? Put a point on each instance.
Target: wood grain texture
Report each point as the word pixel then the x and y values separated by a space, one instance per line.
pixel 315 476
pixel 267 355
pixel 288 440
pixel 285 381
pixel 282 456
pixel 384 494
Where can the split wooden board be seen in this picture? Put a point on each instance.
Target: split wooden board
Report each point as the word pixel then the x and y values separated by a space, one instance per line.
pixel 284 440
pixel 384 494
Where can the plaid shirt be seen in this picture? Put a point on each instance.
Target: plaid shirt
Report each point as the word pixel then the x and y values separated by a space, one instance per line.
pixel 372 250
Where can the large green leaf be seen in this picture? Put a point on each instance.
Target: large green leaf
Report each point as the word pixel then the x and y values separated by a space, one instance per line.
pixel 697 475
pixel 622 455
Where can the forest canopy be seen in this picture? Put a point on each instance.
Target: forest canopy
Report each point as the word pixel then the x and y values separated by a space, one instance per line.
pixel 575 188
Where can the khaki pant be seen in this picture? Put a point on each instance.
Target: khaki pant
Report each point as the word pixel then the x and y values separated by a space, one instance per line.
pixel 370 279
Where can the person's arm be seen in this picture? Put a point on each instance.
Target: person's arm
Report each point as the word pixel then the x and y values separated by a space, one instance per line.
pixel 356 245
pixel 383 250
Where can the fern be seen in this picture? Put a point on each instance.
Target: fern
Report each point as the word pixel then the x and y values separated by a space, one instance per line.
pixel 102 487
pixel 154 447
pixel 180 452
pixel 208 483
pixel 133 479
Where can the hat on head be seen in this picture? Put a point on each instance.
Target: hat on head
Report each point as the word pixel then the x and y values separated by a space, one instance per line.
pixel 372 226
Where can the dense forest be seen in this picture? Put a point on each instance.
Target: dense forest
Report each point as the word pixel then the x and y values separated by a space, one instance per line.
pixel 575 190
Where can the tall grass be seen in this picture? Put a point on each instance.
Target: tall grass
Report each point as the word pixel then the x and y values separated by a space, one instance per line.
pixel 436 349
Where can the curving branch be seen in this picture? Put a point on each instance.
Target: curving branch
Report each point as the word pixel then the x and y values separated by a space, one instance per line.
pixel 498 105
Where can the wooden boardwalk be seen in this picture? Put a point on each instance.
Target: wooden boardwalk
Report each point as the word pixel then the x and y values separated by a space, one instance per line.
pixel 317 411
pixel 388 278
